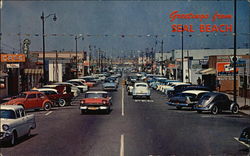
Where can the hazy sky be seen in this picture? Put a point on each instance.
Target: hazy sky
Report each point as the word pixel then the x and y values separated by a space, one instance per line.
pixel 116 18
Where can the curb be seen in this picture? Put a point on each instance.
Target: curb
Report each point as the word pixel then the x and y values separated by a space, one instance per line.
pixel 240 112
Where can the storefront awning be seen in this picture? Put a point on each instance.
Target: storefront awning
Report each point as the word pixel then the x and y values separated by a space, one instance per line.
pixel 207 71
pixel 33 71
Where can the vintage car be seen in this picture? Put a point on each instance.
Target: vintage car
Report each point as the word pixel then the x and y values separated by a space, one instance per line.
pixel 72 87
pixel 141 89
pixel 96 101
pixel 109 86
pixel 58 98
pixel 15 123
pixel 245 136
pixel 31 100
pixel 80 84
pixel 186 99
pixel 216 102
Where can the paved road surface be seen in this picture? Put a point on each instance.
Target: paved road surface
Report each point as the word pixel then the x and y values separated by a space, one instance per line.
pixel 142 128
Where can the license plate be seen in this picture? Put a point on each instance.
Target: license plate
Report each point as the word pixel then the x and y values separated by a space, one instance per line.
pixel 199 105
pixel 92 108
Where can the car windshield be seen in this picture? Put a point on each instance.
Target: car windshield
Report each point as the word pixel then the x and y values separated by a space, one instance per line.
pixel 96 95
pixel 7 114
pixel 22 95
pixel 206 97
pixel 141 85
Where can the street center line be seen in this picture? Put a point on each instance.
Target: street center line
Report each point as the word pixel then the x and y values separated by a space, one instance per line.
pixel 122 145
pixel 123 101
pixel 48 113
pixel 237 139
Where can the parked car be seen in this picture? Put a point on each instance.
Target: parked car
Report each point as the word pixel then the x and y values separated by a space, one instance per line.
pixel 141 89
pixel 216 102
pixel 186 99
pixel 31 100
pixel 15 123
pixel 96 101
pixel 245 136
pixel 60 99
pixel 79 83
pixel 73 88
pixel 110 86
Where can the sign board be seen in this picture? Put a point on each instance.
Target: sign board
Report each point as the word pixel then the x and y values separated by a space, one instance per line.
pixel 16 65
pixel 12 58
pixel 225 68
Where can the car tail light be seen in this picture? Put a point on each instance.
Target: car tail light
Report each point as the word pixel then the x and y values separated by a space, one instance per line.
pixel 104 102
pixel 83 102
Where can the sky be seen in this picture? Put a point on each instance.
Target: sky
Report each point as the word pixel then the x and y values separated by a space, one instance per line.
pixel 119 27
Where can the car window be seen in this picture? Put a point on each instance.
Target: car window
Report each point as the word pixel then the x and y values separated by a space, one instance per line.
pixel 22 95
pixel 7 114
pixel 18 114
pixel 51 92
pixel 200 95
pixel 31 96
pixel 40 95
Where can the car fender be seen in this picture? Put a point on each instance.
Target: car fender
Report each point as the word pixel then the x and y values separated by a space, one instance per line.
pixel 47 101
pixel 232 104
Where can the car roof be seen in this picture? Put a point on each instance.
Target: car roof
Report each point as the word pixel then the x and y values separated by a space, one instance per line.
pixel 11 107
pixel 45 89
pixel 50 86
pixel 195 91
pixel 76 80
pixel 96 92
pixel 31 92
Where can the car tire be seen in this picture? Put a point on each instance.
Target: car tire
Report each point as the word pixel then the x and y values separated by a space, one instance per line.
pixel 199 111
pixel 47 106
pixel 235 109
pixel 83 112
pixel 215 110
pixel 61 102
pixel 13 139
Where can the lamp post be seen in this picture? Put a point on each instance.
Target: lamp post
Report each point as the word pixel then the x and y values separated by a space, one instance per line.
pixel 76 38
pixel 235 54
pixel 182 59
pixel 43 20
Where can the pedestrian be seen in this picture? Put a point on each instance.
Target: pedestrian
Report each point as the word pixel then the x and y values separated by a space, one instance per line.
pixel 199 81
pixel 218 85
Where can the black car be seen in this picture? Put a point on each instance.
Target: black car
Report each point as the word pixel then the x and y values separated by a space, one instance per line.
pixel 245 135
pixel 216 102
pixel 177 89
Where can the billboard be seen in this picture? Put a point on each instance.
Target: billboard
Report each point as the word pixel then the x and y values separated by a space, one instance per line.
pixel 13 58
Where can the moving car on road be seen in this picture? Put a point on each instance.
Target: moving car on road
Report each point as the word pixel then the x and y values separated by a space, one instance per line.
pixel 31 100
pixel 141 89
pixel 110 86
pixel 15 123
pixel 216 102
pixel 96 101
pixel 186 99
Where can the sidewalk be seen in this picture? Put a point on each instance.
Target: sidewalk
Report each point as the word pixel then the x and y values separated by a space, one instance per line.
pixel 243 103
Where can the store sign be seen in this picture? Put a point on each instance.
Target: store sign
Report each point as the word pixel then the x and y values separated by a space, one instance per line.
pixel 12 58
pixel 13 65
pixel 225 68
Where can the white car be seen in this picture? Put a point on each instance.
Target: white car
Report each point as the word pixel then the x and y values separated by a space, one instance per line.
pixel 141 89
pixel 79 83
pixel 15 123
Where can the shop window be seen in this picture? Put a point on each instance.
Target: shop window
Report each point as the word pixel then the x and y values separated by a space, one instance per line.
pixel 2 83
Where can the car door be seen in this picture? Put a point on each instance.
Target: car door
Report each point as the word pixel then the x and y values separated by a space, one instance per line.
pixel 226 102
pixel 31 101
pixel 20 123
pixel 40 99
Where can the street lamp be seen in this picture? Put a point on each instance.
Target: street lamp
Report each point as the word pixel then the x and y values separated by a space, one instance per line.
pixel 76 38
pixel 43 20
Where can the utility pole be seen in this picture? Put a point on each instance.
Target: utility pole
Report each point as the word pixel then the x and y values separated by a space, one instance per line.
pixel 235 53
pixel 182 65
pixel 76 58
pixel 188 65
pixel 162 57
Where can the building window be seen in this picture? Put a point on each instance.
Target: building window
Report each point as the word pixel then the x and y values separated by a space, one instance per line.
pixel 2 83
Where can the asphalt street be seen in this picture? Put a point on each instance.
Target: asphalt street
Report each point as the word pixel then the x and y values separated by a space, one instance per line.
pixel 133 128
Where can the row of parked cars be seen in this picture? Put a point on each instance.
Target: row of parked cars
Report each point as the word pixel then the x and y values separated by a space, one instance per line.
pixel 15 123
pixel 180 94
